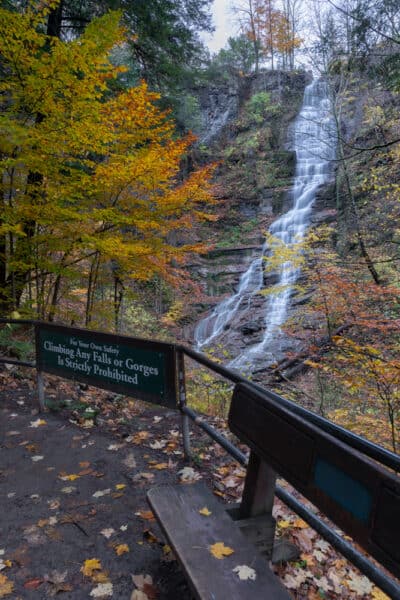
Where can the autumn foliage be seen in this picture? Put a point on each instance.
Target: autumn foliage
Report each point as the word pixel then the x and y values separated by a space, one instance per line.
pixel 92 188
pixel 351 328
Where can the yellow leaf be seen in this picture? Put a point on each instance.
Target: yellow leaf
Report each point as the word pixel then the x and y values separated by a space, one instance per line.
pixel 66 477
pixel 6 586
pixel 219 550
pixel 120 486
pixel 90 565
pixel 205 512
pixel 121 549
pixel 377 594
pixel 37 423
pixel 284 524
pixel 160 466
pixel 100 577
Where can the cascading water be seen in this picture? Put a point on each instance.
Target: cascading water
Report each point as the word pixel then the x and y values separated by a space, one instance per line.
pixel 313 142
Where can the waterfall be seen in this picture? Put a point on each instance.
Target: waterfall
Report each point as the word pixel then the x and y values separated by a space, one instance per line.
pixel 314 144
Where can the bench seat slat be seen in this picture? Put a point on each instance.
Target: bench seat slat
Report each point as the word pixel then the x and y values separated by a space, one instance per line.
pixel 190 535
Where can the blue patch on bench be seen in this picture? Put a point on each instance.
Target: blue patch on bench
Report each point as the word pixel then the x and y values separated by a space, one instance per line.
pixel 349 493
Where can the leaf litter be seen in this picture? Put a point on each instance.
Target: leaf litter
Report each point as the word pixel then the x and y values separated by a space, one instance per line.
pixel 319 573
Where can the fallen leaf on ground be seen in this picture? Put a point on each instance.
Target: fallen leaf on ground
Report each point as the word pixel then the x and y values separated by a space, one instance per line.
pixel 42 522
pixel 308 558
pixel 56 581
pixel 145 514
pixel 68 490
pixel 146 476
pixel 219 550
pixel 139 595
pixel 100 577
pixel 320 556
pixel 377 594
pixel 34 535
pixel 284 524
pixel 66 477
pixel 114 447
pixel 121 549
pixel 120 486
pixel 37 423
pixel 139 437
pixel 336 578
pixel 244 572
pixel 31 447
pixel 129 461
pixel 90 565
pixel 36 458
pixel 188 474
pixel 102 590
pixel 149 536
pixel 323 546
pixel 158 444
pixel 6 586
pixel 324 584
pixel 295 579
pixel 300 524
pixel 359 583
pixel 85 472
pixel 107 532
pixel 304 537
pixel 100 493
pixel 146 590
pixel 205 512
pixel 33 584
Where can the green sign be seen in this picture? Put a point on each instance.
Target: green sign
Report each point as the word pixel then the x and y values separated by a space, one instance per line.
pixel 139 368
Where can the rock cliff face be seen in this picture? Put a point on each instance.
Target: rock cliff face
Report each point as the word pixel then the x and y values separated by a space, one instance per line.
pixel 256 173
pixel 220 105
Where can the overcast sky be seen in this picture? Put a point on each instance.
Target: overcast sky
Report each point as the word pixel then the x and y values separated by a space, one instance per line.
pixel 224 27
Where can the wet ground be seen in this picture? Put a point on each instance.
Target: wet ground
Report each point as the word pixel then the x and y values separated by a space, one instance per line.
pixel 70 495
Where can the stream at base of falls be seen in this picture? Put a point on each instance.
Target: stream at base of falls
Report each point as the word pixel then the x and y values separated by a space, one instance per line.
pixel 313 140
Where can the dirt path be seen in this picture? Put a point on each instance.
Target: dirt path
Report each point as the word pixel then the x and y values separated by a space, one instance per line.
pixel 69 495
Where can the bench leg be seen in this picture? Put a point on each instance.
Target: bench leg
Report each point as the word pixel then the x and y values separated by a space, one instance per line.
pixel 259 489
pixel 255 513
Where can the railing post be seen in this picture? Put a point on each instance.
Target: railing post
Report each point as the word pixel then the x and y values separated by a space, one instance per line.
pixel 39 372
pixel 40 390
pixel 182 402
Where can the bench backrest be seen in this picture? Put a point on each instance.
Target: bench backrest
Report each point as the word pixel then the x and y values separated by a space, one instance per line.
pixel 357 494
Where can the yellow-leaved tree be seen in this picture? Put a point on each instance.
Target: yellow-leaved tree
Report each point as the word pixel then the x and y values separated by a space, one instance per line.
pixel 91 184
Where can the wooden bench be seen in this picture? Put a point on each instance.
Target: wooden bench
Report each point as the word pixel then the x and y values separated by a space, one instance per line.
pixel 356 493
